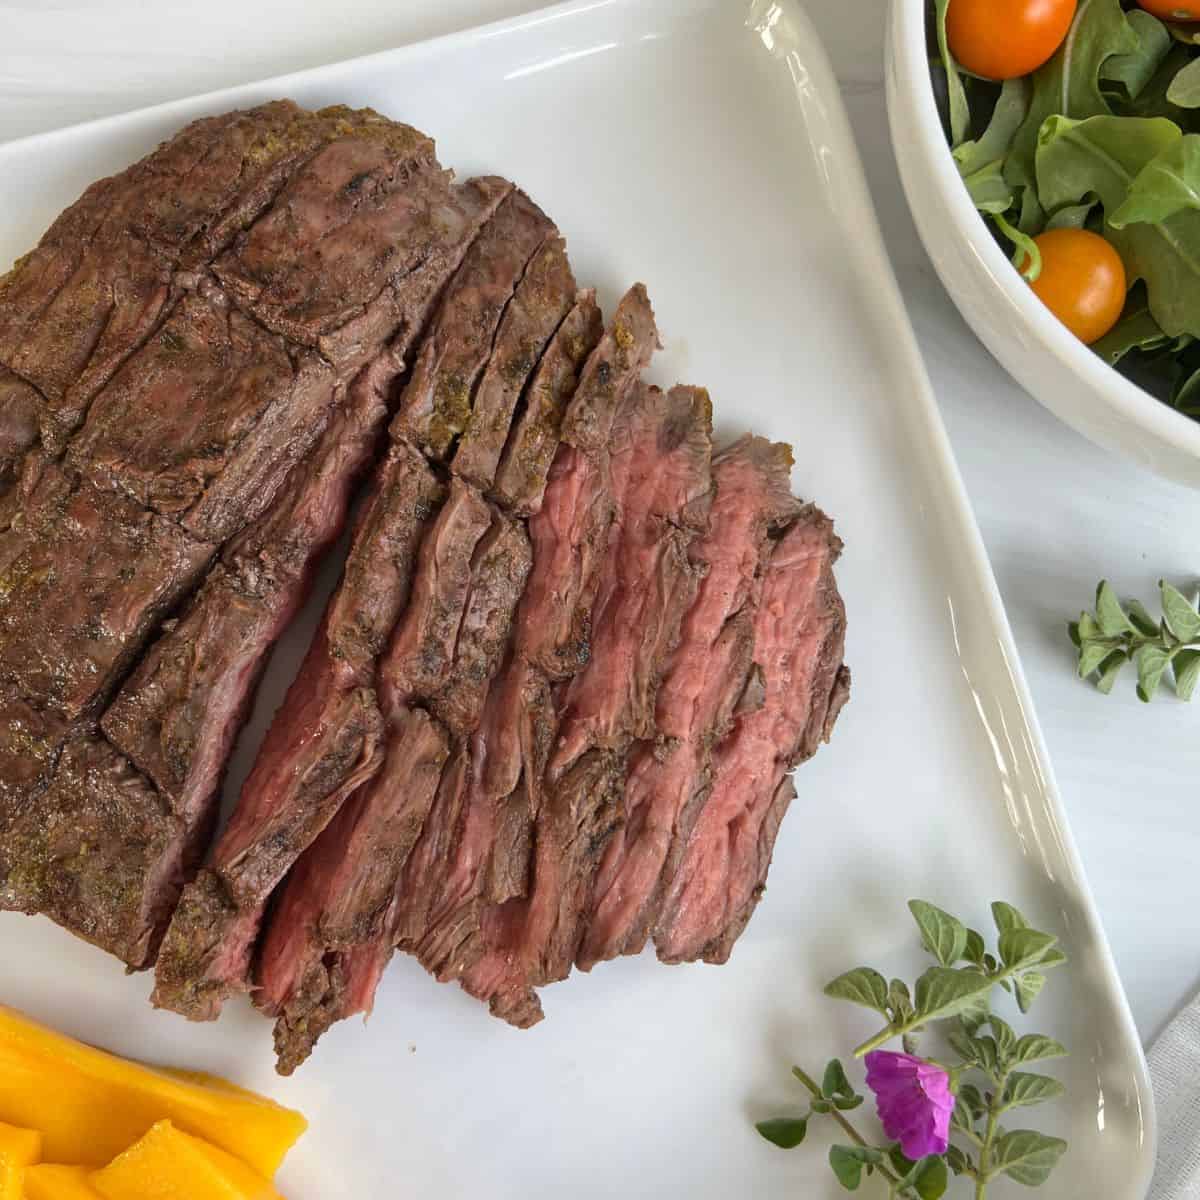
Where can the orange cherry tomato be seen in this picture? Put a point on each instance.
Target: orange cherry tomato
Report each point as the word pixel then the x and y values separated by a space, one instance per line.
pixel 1173 10
pixel 1002 39
pixel 1082 281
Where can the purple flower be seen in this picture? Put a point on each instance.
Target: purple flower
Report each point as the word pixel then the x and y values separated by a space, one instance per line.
pixel 914 1101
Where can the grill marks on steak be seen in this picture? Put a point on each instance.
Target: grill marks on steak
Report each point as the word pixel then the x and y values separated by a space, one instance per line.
pixel 84 579
pixel 437 402
pixel 204 421
pixel 100 281
pixel 521 477
pixel 324 742
pixel 799 633
pixel 540 303
pixel 703 683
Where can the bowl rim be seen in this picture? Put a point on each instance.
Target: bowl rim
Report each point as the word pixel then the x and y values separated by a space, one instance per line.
pixel 1123 395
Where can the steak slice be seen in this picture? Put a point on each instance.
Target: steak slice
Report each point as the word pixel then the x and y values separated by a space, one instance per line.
pixel 521 477
pixel 419 661
pixel 702 685
pixel 436 404
pixel 177 715
pixel 659 461
pixel 323 743
pixel 540 303
pixel 337 898
pixel 799 635
pixel 449 644
pixel 203 423
pixel 82 853
pixel 86 577
pixel 570 531
pixel 100 281
pixel 659 465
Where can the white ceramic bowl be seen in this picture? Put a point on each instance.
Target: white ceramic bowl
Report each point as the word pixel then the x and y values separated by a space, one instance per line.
pixel 1050 363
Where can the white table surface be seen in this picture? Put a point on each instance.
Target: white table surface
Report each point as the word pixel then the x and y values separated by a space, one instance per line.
pixel 1056 513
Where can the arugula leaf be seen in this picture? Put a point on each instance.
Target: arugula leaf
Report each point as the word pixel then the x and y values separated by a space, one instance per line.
pixel 1067 86
pixel 1167 184
pixel 1103 156
pixel 1133 71
pixel 993 144
pixel 1136 330
pixel 960 113
pixel 1184 90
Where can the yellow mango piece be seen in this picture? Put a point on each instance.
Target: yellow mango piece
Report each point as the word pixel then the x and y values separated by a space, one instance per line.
pixel 19 1148
pixel 90 1106
pixel 168 1164
pixel 49 1181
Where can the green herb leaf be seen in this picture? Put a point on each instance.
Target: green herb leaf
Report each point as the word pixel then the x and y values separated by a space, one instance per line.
pixel 973 1099
pixel 1182 619
pixel 848 1162
pixel 957 1160
pixel 943 936
pixel 861 986
pixel 1133 71
pixel 1110 616
pixel 900 1002
pixel 963 1044
pixel 989 1059
pixel 1006 917
pixel 1006 1038
pixel 1093 654
pixel 1186 666
pixel 1026 1156
pixel 960 113
pixel 1052 958
pixel 1028 987
pixel 1024 1088
pixel 961 1117
pixel 1143 622
pixel 785 1132
pixel 1110 668
pixel 1152 662
pixel 929 1178
pixel 1185 87
pixel 974 950
pixel 834 1084
pixel 1020 948
pixel 1034 1047
pixel 975 1013
pixel 1069 86
pixel 822 1106
pixel 943 992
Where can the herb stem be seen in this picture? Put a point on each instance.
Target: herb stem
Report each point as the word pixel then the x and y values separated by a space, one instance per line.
pixel 847 1128
pixel 995 1107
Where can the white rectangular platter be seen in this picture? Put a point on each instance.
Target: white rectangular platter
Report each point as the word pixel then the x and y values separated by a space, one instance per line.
pixel 699 145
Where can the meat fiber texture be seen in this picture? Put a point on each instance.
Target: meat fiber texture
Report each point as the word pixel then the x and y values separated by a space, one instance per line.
pixel 188 393
pixel 551 709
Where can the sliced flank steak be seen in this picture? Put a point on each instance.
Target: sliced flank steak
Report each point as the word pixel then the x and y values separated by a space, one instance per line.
pixel 449 644
pixel 324 742
pixel 799 634
pixel 703 683
pixel 659 465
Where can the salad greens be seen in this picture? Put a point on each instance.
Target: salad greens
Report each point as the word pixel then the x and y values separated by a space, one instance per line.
pixel 1104 136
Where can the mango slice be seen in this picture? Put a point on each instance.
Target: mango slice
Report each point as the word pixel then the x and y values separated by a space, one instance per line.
pixel 49 1181
pixel 90 1106
pixel 19 1148
pixel 168 1164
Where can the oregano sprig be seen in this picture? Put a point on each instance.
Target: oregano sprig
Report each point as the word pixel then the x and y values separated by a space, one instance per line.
pixel 945 1111
pixel 1116 634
